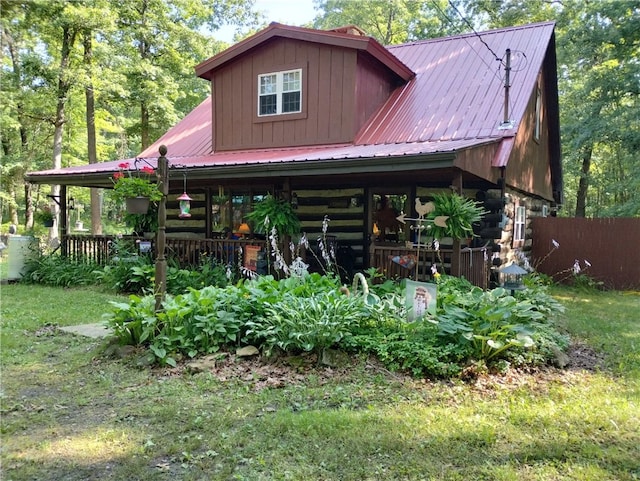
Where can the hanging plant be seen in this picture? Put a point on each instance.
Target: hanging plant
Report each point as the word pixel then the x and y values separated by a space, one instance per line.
pixel 271 212
pixel 461 213
pixel 137 184
pixel 44 216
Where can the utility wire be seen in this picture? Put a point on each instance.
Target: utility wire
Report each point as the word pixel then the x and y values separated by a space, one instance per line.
pixel 435 4
pixel 474 31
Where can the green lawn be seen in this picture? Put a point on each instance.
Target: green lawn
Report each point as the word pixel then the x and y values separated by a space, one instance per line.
pixel 70 413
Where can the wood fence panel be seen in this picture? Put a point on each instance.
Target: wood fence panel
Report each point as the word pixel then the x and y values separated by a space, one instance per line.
pixel 610 245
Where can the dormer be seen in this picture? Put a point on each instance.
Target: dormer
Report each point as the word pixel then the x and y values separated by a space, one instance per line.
pixel 291 86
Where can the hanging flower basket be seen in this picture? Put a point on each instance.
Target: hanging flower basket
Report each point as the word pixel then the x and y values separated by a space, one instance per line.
pixel 135 188
pixel 137 205
pixel 45 216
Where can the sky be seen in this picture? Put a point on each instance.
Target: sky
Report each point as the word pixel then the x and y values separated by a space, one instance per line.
pixel 290 12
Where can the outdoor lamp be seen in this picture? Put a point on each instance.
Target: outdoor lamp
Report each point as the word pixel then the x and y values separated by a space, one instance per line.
pixel 244 229
pixel 511 277
pixel 294 200
pixel 185 202
pixel 72 203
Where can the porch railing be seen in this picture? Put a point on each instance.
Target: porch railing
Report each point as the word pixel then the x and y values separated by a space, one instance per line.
pixel 185 252
pixel 474 263
pixel 398 262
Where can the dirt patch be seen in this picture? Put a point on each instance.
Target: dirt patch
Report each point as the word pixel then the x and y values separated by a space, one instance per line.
pixel 259 372
pixel 584 358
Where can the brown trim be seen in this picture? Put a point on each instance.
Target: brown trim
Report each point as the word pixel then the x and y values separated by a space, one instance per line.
pixel 370 45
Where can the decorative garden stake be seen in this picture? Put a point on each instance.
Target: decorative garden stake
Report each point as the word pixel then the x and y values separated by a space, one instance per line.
pixel 440 221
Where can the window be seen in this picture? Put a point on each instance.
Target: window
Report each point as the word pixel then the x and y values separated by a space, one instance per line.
pixel 519 223
pixel 280 93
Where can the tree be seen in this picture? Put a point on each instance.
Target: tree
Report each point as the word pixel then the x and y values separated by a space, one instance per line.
pixel 390 21
pixel 143 82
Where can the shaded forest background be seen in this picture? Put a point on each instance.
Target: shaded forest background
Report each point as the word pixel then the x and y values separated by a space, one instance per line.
pixel 88 81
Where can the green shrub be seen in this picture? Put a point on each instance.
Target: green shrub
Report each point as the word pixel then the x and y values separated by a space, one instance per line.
pixel 128 274
pixel 470 327
pixel 133 322
pixel 494 322
pixel 409 347
pixel 314 323
pixel 199 322
pixel 54 270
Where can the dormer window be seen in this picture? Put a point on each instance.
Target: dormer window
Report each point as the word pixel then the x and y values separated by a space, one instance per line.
pixel 280 93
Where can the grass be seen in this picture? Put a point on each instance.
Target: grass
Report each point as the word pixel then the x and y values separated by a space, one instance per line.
pixel 70 413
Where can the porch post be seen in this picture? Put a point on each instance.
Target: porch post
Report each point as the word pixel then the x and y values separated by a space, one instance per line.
pixel 64 222
pixel 286 240
pixel 161 261
pixel 455 254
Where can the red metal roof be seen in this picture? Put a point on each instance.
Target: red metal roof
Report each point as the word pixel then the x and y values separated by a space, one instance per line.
pixel 455 101
pixel 458 92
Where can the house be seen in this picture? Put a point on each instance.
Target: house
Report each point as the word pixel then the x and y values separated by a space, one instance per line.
pixel 342 126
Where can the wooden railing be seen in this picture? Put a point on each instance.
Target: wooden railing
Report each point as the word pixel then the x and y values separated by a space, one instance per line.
pixel 186 252
pixel 474 265
pixel 398 261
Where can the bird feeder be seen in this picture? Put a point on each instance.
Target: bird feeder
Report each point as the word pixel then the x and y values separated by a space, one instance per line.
pixel 512 277
pixel 185 202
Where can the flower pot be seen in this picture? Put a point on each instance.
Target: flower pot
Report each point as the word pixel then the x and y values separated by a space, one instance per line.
pixel 48 223
pixel 137 205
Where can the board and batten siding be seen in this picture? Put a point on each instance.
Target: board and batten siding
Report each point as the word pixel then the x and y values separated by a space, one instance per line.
pixel 340 91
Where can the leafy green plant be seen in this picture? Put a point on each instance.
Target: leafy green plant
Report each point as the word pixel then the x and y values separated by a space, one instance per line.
pixel 54 270
pixel 461 213
pixel 272 213
pixel 491 322
pixel 141 223
pixel 199 322
pixel 133 322
pixel 128 274
pixel 44 215
pixel 296 324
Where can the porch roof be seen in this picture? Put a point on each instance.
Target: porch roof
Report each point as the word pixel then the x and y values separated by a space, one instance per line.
pixel 317 160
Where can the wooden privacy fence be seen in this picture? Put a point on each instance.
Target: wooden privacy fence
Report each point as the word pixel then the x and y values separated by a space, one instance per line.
pixel 610 245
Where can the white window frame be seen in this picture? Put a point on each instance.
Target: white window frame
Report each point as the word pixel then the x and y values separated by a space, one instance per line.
pixel 279 91
pixel 519 223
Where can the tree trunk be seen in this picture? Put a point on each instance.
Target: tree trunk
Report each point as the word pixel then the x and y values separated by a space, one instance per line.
pixel 144 50
pixel 583 185
pixel 64 85
pixel 144 125
pixel 24 140
pixel 96 206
